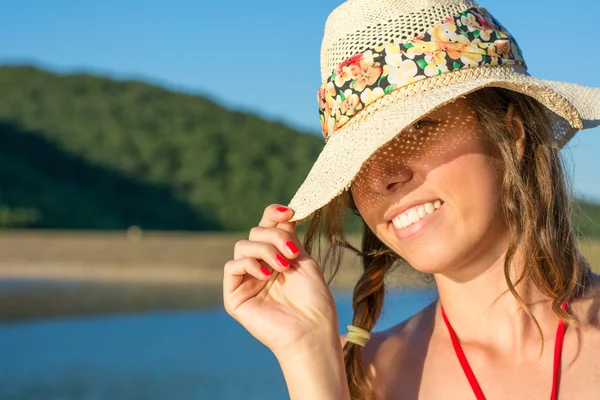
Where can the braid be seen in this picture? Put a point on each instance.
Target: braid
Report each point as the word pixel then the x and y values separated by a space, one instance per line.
pixel 367 303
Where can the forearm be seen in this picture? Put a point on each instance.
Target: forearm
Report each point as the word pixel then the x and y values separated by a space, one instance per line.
pixel 317 372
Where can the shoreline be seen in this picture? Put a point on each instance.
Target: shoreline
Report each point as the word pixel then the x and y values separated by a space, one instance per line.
pixel 91 273
pixel 29 292
pixel 35 299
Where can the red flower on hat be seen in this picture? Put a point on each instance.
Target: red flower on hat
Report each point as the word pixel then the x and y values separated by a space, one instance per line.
pixel 354 60
pixel 484 22
pixel 321 97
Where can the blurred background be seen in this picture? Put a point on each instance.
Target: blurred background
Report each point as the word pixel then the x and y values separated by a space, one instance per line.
pixel 139 140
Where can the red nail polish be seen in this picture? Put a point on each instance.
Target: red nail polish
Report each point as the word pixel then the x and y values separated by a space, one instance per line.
pixel 265 271
pixel 295 222
pixel 282 261
pixel 291 247
pixel 282 209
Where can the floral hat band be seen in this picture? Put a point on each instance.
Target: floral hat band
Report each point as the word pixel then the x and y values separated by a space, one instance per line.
pixel 472 38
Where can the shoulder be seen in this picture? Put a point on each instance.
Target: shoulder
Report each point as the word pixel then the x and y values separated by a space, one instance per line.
pixel 389 354
pixel 582 343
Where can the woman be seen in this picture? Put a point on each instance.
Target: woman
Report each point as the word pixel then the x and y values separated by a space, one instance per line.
pixel 449 152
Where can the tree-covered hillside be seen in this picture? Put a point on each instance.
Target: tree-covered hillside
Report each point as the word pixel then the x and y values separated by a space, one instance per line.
pixel 87 152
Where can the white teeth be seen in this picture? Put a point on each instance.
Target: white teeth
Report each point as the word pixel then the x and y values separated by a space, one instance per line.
pixel 415 214
pixel 404 220
pixel 429 208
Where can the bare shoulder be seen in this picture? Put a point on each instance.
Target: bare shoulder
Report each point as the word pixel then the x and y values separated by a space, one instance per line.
pixel 581 356
pixel 398 337
pixel 389 354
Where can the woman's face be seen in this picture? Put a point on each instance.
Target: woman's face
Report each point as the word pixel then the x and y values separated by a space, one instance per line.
pixel 433 194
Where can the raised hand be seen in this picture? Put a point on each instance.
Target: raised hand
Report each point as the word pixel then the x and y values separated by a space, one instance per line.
pixel 276 290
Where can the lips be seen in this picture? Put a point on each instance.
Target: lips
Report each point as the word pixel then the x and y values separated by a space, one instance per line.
pixel 415 213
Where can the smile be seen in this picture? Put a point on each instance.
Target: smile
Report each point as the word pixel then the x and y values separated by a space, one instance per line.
pixel 415 214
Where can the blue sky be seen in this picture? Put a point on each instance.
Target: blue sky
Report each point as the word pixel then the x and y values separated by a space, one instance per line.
pixel 263 55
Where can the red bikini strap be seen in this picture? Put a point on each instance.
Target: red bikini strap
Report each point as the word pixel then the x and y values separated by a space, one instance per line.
pixel 463 360
pixel 560 337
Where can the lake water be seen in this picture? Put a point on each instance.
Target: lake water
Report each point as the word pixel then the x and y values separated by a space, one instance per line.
pixel 152 356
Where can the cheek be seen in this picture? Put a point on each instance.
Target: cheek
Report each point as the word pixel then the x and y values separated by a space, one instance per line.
pixel 366 200
pixel 466 168
pixel 471 185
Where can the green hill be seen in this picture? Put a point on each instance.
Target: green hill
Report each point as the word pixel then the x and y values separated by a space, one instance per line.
pixel 87 152
pixel 81 151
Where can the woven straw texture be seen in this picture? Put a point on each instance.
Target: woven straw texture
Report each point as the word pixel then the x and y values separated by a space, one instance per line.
pixel 361 24
pixel 358 25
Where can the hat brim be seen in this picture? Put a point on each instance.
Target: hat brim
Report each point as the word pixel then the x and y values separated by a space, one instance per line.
pixel 574 107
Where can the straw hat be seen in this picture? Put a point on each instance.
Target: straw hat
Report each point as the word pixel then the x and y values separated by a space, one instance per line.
pixel 387 63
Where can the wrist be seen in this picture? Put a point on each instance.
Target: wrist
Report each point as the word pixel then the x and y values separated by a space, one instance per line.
pixel 310 344
pixel 315 371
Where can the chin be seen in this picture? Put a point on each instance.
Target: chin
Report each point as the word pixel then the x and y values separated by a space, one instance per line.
pixel 452 252
pixel 432 260
pixel 438 252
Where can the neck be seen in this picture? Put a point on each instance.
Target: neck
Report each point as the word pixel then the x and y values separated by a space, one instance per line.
pixel 480 307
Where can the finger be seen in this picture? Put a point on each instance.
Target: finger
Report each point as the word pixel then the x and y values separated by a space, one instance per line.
pixel 279 216
pixel 261 251
pixel 290 228
pixel 287 243
pixel 275 214
pixel 235 270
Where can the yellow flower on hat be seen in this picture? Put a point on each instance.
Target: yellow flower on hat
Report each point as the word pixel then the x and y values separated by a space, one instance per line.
pixel 332 122
pixel 471 59
pixel 485 34
pixel 327 99
pixel 368 96
pixel 369 56
pixel 419 47
pixel 349 103
pixel 343 76
pixel 436 63
pixel 447 26
pixel 366 73
pixel 447 33
pixel 403 74
pixel 470 21
pixel 393 54
pixel 492 53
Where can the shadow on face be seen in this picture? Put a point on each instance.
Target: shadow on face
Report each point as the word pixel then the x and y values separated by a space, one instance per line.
pixel 444 156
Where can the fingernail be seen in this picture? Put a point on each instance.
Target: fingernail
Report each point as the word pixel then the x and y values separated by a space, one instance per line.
pixel 282 209
pixel 282 261
pixel 295 222
pixel 265 271
pixel 291 247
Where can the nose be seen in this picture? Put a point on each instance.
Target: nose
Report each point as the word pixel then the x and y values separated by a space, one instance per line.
pixel 394 179
pixel 386 178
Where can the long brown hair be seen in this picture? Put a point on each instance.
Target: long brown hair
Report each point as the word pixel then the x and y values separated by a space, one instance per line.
pixel 536 203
